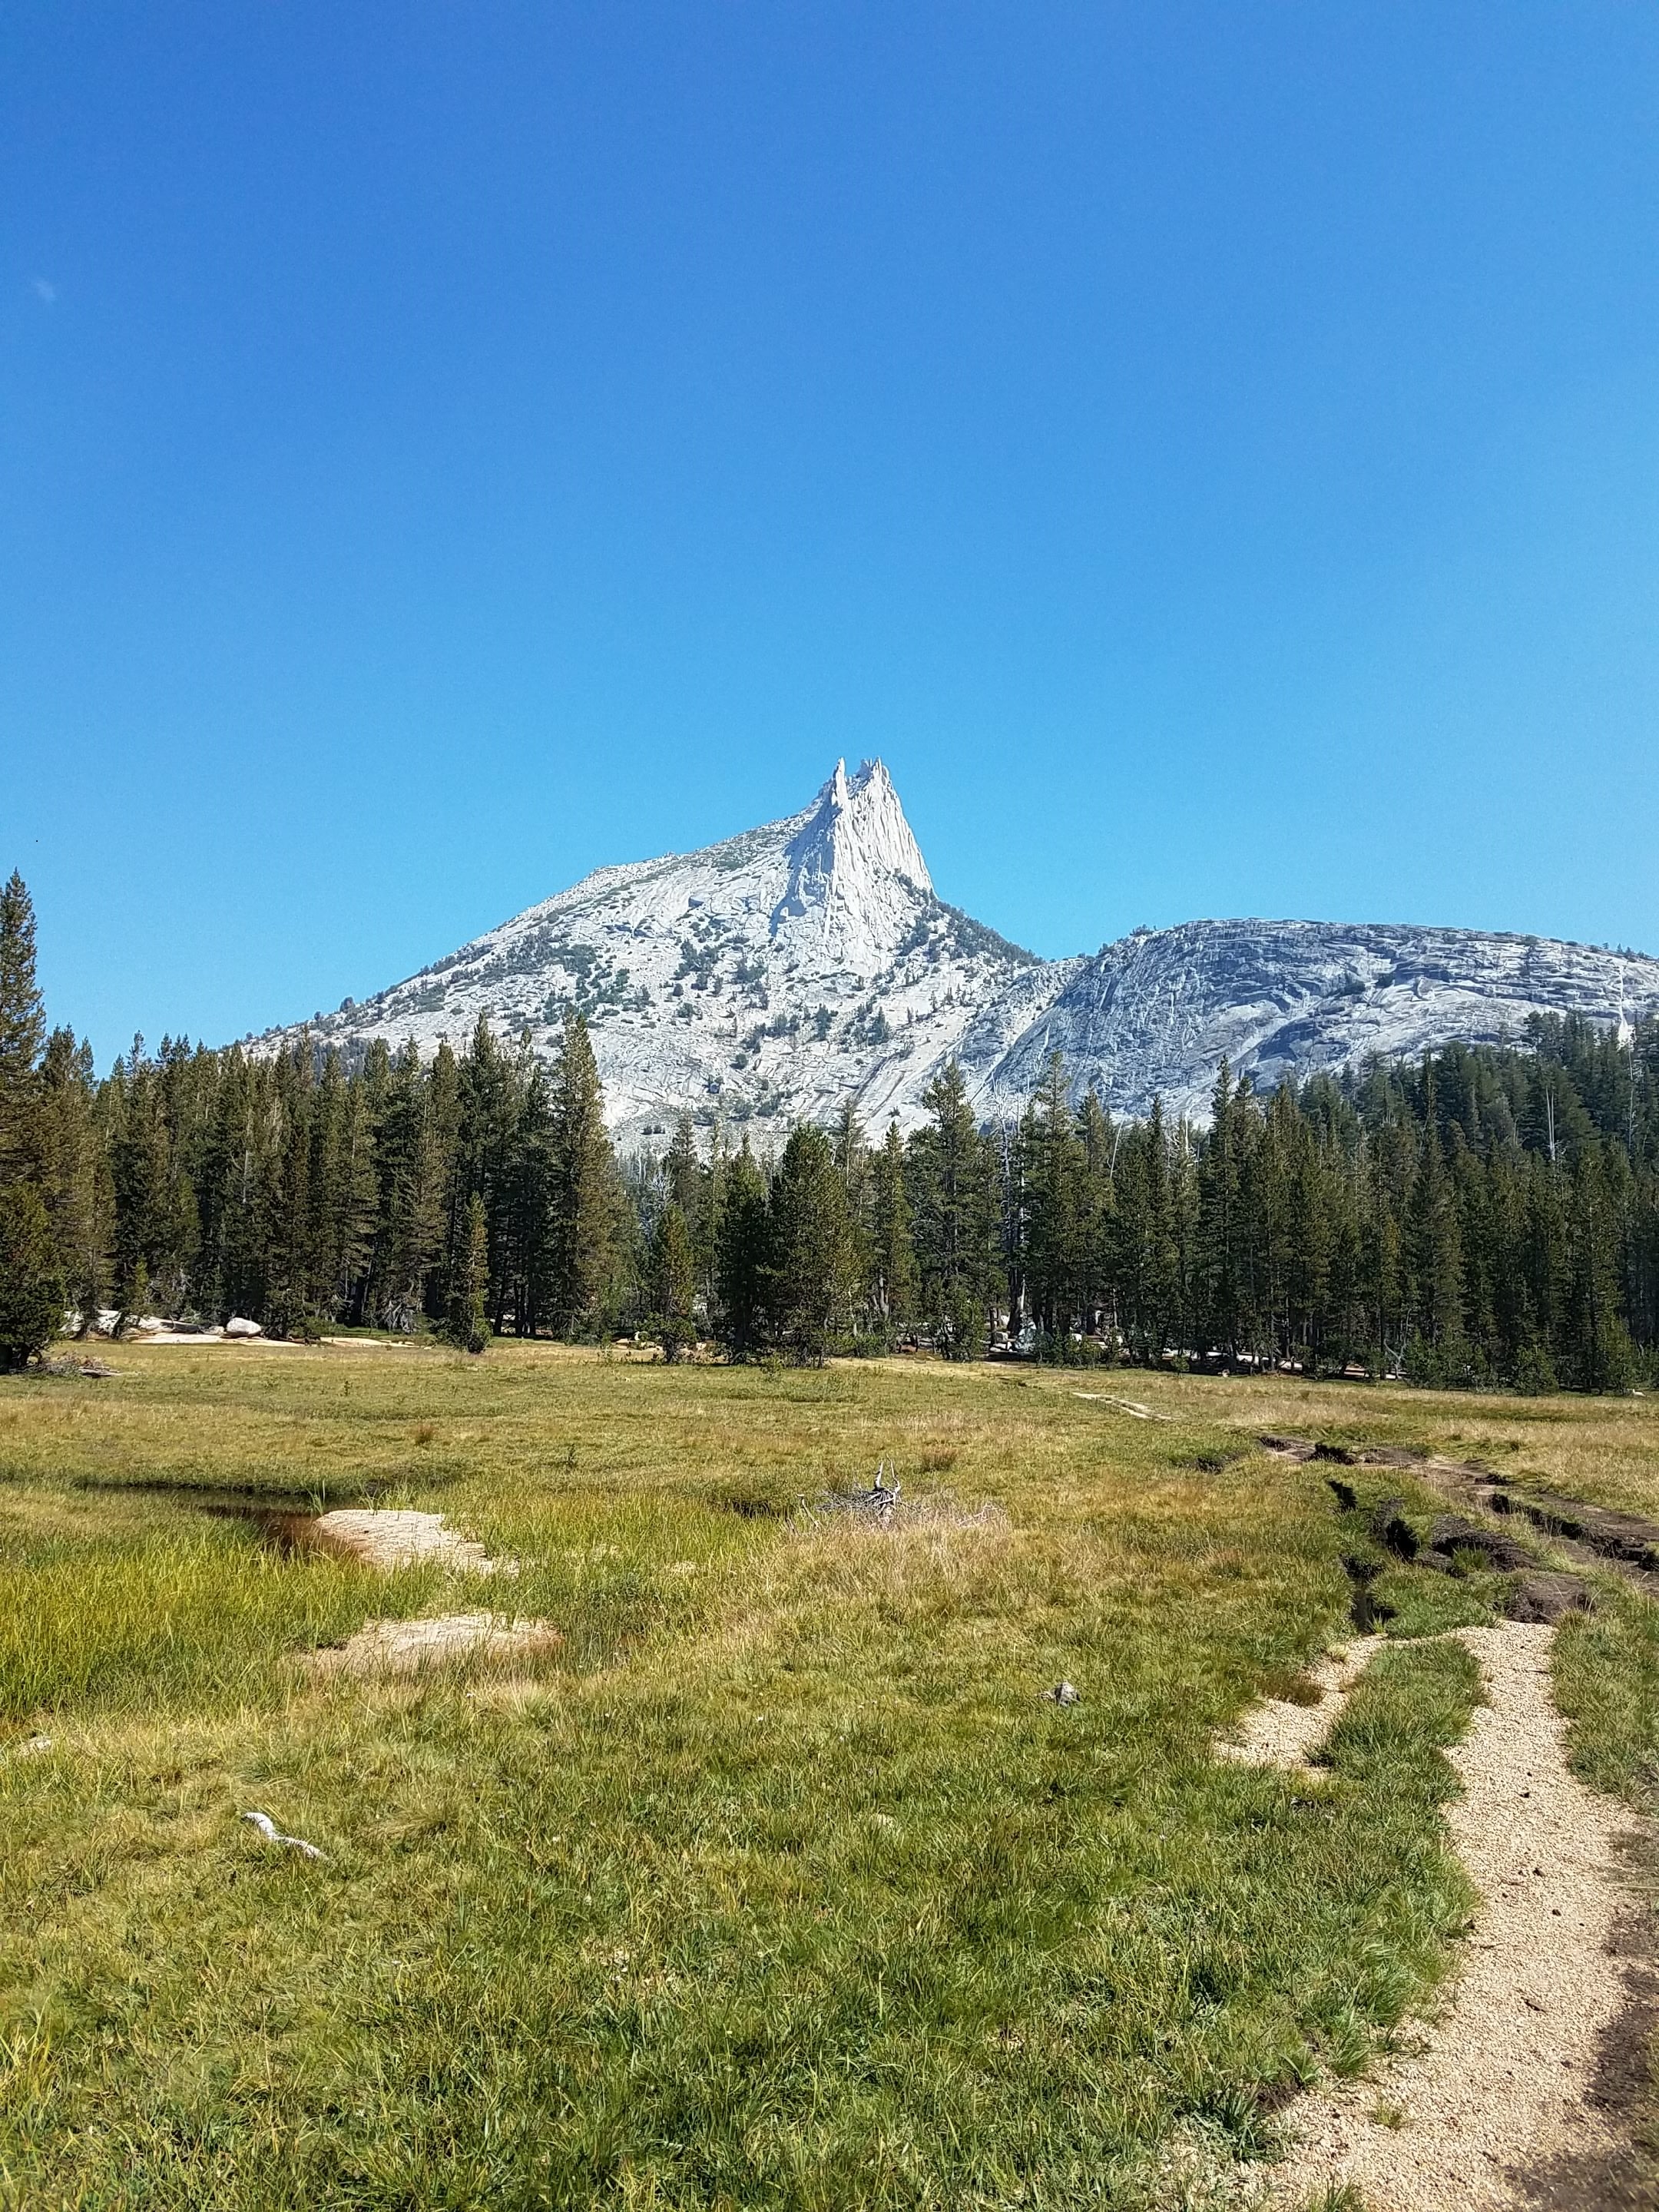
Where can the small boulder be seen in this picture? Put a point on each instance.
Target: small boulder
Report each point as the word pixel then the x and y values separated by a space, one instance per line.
pixel 236 1326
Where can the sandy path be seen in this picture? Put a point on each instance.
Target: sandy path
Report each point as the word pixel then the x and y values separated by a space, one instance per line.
pixel 1278 1732
pixel 1500 2109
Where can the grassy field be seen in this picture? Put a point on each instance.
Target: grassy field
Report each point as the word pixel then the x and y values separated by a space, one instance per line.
pixel 783 1883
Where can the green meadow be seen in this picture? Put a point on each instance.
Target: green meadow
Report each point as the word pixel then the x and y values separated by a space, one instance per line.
pixel 782 1882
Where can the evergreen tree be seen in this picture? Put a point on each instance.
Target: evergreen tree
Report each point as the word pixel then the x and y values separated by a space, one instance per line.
pixel 1435 1258
pixel 807 1276
pixel 583 1225
pixel 1053 1182
pixel 31 1287
pixel 1491 1215
pixel 892 1258
pixel 741 1256
pixel 466 1324
pixel 951 1174
pixel 23 1032
pixel 852 1158
pixel 74 1173
pixel 413 1171
pixel 1221 1221
pixel 673 1283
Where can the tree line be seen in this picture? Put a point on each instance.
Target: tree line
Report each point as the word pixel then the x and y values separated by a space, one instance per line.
pixel 1488 1216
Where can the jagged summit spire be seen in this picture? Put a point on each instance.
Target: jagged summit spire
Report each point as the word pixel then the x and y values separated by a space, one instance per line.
pixel 856 871
pixel 857 826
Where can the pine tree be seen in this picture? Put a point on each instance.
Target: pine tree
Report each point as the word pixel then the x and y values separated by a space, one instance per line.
pixel 1221 1221
pixel 466 1324
pixel 681 1175
pixel 808 1273
pixel 288 1239
pixel 951 1174
pixel 892 1261
pixel 1053 1173
pixel 23 1032
pixel 413 1172
pixel 741 1256
pixel 1434 1249
pixel 852 1158
pixel 74 1173
pixel 1098 1140
pixel 673 1283
pixel 1148 1240
pixel 583 1225
pixel 31 1287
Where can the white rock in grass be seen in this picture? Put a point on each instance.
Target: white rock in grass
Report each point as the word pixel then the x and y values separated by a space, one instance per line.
pixel 236 1326
pixel 272 1834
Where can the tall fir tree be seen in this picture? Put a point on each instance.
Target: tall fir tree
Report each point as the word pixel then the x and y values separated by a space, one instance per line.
pixel 741 1256
pixel 23 1033
pixel 584 1196
pixel 893 1280
pixel 808 1271
pixel 673 1283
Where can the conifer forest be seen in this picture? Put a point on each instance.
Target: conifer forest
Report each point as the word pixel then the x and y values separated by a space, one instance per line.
pixel 1489 1216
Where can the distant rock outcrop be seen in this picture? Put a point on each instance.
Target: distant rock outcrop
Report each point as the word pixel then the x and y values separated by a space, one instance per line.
pixel 771 976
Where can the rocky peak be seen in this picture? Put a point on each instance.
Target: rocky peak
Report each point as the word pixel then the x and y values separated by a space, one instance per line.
pixel 773 975
pixel 856 873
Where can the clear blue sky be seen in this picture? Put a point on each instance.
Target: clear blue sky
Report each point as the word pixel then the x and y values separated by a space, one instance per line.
pixel 1211 453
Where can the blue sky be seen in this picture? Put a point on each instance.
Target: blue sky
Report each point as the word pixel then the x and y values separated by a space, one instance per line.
pixel 1210 452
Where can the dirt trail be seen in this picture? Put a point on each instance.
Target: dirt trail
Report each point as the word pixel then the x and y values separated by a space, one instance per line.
pixel 1282 1732
pixel 1505 2107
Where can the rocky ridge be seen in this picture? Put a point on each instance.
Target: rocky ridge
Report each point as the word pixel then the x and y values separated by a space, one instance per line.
pixel 767 978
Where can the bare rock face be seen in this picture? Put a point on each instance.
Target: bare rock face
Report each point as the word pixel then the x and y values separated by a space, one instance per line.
pixel 768 978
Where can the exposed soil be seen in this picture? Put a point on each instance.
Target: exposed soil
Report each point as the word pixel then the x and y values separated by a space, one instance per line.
pixel 1513 2099
pixel 1625 1538
pixel 1590 1535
